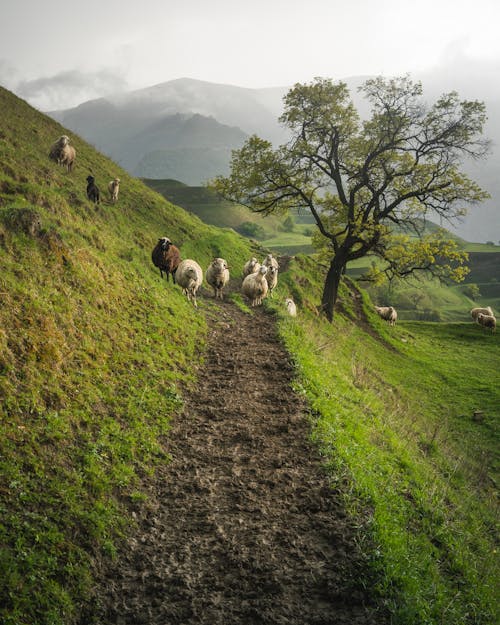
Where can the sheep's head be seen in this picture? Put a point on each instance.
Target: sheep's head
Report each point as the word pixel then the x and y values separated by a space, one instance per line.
pixel 165 243
pixel 263 270
pixel 90 179
pixel 63 140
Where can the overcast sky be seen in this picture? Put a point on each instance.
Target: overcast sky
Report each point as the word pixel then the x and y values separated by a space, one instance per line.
pixel 56 53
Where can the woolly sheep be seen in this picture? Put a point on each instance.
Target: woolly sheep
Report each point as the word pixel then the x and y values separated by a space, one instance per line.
pixel 270 261
pixel 487 321
pixel 92 190
pixel 63 153
pixel 388 313
pixel 189 276
pixel 272 278
pixel 217 276
pixel 113 188
pixel 255 286
pixel 476 311
pixel 251 266
pixel 166 256
pixel 291 307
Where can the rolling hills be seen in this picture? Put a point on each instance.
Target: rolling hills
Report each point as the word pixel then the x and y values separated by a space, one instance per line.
pixel 98 357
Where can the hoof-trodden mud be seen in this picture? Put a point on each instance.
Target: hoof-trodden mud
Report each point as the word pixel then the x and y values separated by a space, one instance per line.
pixel 242 527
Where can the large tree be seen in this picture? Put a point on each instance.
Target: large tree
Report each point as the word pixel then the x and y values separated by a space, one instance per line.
pixel 367 182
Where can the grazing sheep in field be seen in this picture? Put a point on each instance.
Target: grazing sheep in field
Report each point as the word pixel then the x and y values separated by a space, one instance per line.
pixel 270 261
pixel 166 257
pixel 251 266
pixel 255 286
pixel 388 313
pixel 487 321
pixel 113 188
pixel 92 190
pixel 63 153
pixel 189 276
pixel 217 276
pixel 272 278
pixel 291 307
pixel 476 311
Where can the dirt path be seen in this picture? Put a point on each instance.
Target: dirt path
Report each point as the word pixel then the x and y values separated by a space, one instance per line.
pixel 243 528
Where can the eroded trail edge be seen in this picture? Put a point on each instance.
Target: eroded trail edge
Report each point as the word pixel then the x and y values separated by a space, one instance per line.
pixel 242 526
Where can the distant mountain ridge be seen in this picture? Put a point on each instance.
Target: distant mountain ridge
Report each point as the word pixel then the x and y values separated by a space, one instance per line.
pixel 185 129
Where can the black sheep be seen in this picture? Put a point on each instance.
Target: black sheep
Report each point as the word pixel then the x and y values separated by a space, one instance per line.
pixel 92 190
pixel 166 257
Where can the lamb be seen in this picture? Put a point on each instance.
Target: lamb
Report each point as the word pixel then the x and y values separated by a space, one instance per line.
pixel 251 266
pixel 255 286
pixel 476 311
pixel 63 153
pixel 270 261
pixel 166 256
pixel 92 190
pixel 113 188
pixel 487 321
pixel 272 278
pixel 388 313
pixel 217 276
pixel 291 307
pixel 189 276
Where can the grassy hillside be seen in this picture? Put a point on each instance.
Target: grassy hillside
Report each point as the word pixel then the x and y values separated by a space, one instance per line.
pixel 408 420
pixel 94 354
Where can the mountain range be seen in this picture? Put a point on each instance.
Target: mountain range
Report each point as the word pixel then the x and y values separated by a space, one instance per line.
pixel 185 129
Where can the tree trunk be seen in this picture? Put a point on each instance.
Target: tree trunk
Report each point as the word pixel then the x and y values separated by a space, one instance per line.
pixel 331 288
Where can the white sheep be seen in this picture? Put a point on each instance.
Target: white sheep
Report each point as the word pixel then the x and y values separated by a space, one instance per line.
pixel 251 266
pixel 476 311
pixel 255 286
pixel 487 321
pixel 291 307
pixel 114 188
pixel 217 276
pixel 388 313
pixel 63 153
pixel 270 261
pixel 189 276
pixel 272 278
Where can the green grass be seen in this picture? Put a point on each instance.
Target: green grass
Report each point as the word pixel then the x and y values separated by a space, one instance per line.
pixel 395 420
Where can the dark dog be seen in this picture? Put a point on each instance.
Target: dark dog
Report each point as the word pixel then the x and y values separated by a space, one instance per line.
pixel 92 190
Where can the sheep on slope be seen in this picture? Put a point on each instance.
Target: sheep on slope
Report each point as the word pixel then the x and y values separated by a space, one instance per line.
pixel 476 311
pixel 272 278
pixel 166 256
pixel 291 307
pixel 92 190
pixel 270 261
pixel 217 276
pixel 63 153
pixel 251 266
pixel 388 313
pixel 487 321
pixel 113 188
pixel 189 276
pixel 255 286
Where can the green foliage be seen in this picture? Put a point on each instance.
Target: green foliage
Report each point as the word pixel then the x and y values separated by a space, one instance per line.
pixel 251 230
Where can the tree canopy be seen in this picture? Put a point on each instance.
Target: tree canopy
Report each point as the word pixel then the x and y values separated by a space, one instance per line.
pixel 369 183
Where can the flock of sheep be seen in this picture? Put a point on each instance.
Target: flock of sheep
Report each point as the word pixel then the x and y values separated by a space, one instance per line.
pixel 64 154
pixel 259 279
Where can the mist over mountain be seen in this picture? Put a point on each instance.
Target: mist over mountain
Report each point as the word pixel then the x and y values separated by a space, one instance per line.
pixel 186 129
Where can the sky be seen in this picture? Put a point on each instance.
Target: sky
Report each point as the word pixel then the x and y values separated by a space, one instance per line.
pixel 58 54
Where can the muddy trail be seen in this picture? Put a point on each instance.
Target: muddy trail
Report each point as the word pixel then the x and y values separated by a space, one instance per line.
pixel 242 526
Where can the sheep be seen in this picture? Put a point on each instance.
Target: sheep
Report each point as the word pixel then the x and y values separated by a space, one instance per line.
pixel 251 266
pixel 476 311
pixel 272 278
pixel 291 307
pixel 92 190
pixel 63 153
pixel 189 276
pixel 270 261
pixel 217 276
pixel 166 256
pixel 255 286
pixel 113 188
pixel 388 313
pixel 487 321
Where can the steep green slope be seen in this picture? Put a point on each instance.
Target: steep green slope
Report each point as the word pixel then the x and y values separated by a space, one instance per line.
pixel 94 353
